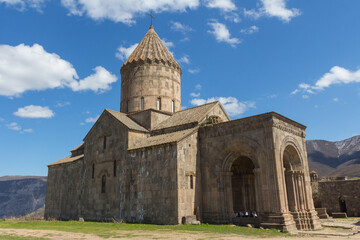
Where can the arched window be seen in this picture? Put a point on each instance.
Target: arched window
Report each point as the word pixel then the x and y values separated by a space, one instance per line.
pixel 93 171
pixel 191 182
pixel 173 106
pixel 142 103
pixel 103 184
pixel 114 168
pixel 158 104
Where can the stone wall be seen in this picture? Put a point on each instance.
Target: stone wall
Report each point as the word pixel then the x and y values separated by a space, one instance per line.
pixel 348 190
pixel 63 191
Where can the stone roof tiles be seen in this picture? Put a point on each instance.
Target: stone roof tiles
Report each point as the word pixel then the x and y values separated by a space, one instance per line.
pixel 128 122
pixel 187 116
pixel 163 139
pixel 67 160
pixel 153 49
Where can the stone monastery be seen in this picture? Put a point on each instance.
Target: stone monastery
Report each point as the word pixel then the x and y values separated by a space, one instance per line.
pixel 155 163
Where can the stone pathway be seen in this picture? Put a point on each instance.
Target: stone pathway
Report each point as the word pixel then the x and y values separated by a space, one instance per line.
pixel 338 227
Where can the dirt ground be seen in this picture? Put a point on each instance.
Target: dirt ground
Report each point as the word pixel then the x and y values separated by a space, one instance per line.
pixel 58 235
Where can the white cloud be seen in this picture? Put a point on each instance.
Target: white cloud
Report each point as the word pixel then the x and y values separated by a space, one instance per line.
pixel 335 99
pixel 224 5
pixel 232 16
pixel 250 30
pixel 193 70
pixel 123 53
pixel 167 44
pixel 16 127
pixel 198 87
pixel 337 75
pixel 295 91
pixel 305 96
pixel 125 10
pixel 33 111
pixel 195 94
pixel 92 119
pixel 99 82
pixel 232 105
pixel 22 5
pixel 273 8
pixel 177 26
pixel 222 34
pixel 25 68
pixel 184 59
pixel 273 96
pixel 62 104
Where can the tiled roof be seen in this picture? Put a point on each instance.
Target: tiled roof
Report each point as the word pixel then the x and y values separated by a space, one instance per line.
pixel 190 115
pixel 67 160
pixel 151 48
pixel 78 147
pixel 128 122
pixel 163 139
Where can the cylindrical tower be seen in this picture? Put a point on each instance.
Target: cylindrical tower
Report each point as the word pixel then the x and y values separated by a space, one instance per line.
pixel 150 77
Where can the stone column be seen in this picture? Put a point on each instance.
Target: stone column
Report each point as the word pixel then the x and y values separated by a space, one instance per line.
pixel 226 209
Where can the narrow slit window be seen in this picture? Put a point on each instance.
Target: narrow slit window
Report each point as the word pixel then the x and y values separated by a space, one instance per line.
pixel 191 182
pixel 142 103
pixel 173 106
pixel 114 168
pixel 158 104
pixel 93 171
pixel 127 105
pixel 103 184
pixel 104 144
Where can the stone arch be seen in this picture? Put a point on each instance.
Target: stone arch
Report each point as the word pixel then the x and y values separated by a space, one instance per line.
pixel 291 141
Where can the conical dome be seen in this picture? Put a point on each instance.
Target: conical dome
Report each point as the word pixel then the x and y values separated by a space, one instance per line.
pixel 152 49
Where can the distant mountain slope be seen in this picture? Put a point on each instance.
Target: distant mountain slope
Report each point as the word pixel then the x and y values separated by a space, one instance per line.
pixel 336 159
pixel 21 195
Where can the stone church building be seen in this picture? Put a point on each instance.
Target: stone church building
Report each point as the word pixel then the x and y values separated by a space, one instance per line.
pixel 155 163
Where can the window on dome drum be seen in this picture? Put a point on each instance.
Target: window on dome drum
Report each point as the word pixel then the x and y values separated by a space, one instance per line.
pixel 104 143
pixel 191 182
pixel 103 184
pixel 173 106
pixel 114 168
pixel 158 104
pixel 142 103
pixel 93 171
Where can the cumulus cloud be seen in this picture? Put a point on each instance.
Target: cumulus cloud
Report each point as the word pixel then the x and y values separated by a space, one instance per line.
pixel 195 94
pixel 222 34
pixel 232 16
pixel 336 75
pixel 224 5
pixel 184 59
pixel 123 53
pixel 250 30
pixel 179 27
pixel 232 105
pixel 193 70
pixel 92 119
pixel 125 10
pixel 16 127
pixel 33 111
pixel 62 104
pixel 22 5
pixel 273 8
pixel 28 68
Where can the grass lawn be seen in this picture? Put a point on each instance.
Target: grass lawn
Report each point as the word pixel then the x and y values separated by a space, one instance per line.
pixel 113 229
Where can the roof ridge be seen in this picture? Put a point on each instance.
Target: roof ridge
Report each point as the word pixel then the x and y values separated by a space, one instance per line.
pixel 196 107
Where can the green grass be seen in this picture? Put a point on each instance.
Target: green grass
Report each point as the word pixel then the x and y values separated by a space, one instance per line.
pixel 12 237
pixel 114 229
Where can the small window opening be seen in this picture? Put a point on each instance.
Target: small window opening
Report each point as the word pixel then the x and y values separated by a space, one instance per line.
pixel 103 184
pixel 191 182
pixel 114 168
pixel 142 103
pixel 93 171
pixel 127 106
pixel 104 142
pixel 173 106
pixel 158 104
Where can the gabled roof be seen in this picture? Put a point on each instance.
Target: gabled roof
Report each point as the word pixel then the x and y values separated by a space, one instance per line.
pixel 187 116
pixel 67 160
pixel 128 122
pixel 151 48
pixel 78 147
pixel 172 137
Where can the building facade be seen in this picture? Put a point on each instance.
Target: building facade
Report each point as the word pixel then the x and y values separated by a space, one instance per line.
pixel 155 163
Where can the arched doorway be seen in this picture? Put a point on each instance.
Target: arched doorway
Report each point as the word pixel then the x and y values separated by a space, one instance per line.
pixel 295 187
pixel 243 186
pixel 342 204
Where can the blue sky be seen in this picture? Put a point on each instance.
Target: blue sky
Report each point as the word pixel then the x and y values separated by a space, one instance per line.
pixel 60 65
